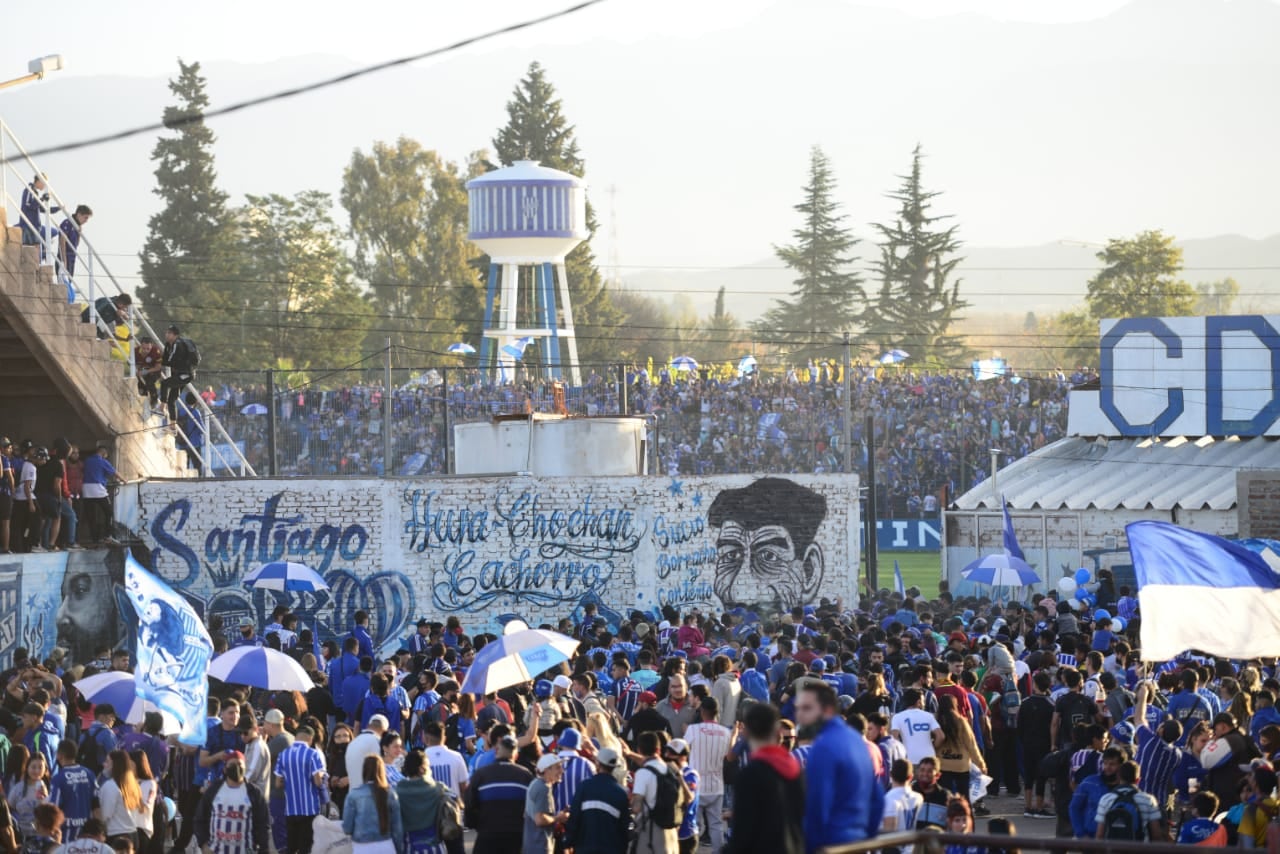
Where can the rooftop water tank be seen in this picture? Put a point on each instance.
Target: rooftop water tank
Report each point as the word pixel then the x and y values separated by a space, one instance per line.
pixel 527 213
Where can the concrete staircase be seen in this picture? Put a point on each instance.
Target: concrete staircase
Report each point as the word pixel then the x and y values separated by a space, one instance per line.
pixel 58 379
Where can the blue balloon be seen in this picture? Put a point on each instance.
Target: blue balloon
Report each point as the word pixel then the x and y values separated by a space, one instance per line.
pixel 1083 576
pixel 1117 624
pixel 1090 600
pixel 1102 614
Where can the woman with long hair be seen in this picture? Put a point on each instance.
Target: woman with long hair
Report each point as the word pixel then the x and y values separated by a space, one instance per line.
pixel 874 698
pixel 1237 701
pixel 958 749
pixel 336 762
pixel 371 816
pixel 28 792
pixel 600 730
pixel 15 766
pixel 420 800
pixel 152 836
pixel 467 723
pixel 120 799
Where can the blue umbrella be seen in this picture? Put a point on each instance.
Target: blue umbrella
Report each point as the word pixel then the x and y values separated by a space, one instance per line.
pixel 460 349
pixel 260 667
pixel 120 690
pixel 1000 570
pixel 894 356
pixel 518 656
pixel 684 363
pixel 254 409
pixel 285 575
pixel 747 364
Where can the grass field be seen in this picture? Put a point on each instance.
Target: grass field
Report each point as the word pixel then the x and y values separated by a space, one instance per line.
pixel 920 569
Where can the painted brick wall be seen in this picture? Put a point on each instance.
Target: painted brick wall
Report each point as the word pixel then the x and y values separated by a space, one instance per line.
pixel 488 548
pixel 1258 503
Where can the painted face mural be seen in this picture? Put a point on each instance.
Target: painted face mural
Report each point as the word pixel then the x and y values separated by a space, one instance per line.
pixel 89 617
pixel 766 553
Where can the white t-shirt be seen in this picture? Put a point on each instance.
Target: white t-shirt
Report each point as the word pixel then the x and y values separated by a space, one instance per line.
pixel 85 846
pixel 914 728
pixel 646 785
pixel 364 745
pixel 448 767
pixel 230 831
pixel 902 804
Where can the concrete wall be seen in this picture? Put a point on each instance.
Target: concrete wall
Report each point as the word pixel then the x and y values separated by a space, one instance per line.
pixel 1258 503
pixel 59 379
pixel 486 549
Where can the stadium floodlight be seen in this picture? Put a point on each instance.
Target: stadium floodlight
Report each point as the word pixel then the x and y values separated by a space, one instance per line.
pixel 36 70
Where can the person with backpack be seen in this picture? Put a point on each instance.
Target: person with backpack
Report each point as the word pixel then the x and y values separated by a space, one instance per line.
pixel 1128 814
pixel 659 799
pixel 97 742
pixel 181 357
pixel 1084 800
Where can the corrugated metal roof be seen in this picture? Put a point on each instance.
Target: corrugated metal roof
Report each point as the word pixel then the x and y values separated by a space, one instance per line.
pixel 1077 473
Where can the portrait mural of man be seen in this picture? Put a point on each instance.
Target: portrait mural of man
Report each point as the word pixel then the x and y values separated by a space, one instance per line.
pixel 767 552
pixel 88 618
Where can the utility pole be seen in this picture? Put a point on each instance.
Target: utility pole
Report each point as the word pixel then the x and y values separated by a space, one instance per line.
pixel 870 428
pixel 271 422
pixel 995 487
pixel 386 415
pixel 846 435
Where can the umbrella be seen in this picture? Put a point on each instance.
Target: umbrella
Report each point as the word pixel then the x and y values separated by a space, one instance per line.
pixel 746 364
pixel 254 409
pixel 461 348
pixel 894 356
pixel 1000 570
pixel 120 690
pixel 260 667
pixel 684 363
pixel 285 575
pixel 519 655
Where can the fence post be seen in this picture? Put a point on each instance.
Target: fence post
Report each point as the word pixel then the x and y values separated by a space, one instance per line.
pixel 386 416
pixel 448 428
pixel 271 422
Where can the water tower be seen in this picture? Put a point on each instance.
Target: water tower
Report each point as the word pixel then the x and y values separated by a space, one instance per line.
pixel 527 215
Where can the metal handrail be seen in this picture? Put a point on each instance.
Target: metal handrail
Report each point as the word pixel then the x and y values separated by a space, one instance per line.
pixel 212 426
pixel 933 842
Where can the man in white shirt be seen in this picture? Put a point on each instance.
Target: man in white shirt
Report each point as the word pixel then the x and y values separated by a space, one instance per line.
pixel 448 766
pixel 915 728
pixel 650 837
pixel 367 743
pixel 901 803
pixel 709 743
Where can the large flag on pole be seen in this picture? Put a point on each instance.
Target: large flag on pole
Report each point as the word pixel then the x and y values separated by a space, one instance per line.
pixel 173 652
pixel 899 586
pixel 1011 546
pixel 1202 592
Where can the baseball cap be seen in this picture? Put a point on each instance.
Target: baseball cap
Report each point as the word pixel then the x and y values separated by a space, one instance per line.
pixel 648 697
pixel 274 716
pixel 509 742
pixel 548 760
pixel 678 746
pixel 664 625
pixel 379 722
pixel 562 681
pixel 818 666
pixel 542 688
pixel 247 623
pixel 607 757
pixel 570 740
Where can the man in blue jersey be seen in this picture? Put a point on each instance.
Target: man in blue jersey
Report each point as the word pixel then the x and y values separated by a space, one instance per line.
pixel 1157 754
pixel 844 802
pixel 626 690
pixel 248 635
pixel 360 631
pixel 73 788
pixel 300 770
pixel 1188 707
pixel 677 754
pixel 576 768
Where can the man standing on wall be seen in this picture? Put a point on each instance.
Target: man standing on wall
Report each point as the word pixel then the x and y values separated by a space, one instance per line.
pixel 181 358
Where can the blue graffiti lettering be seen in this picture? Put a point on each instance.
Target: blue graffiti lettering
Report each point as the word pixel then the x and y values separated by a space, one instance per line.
pixel 166 540
pixel 461 586
pixel 688 592
pixel 691 562
pixel 269 536
pixel 676 533
pixel 584 531
pixel 428 529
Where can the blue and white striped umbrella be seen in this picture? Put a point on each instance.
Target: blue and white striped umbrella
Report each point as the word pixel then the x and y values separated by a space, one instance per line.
pixel 260 667
pixel 120 691
pixel 461 348
pixel 518 656
pixel 1000 570
pixel 893 357
pixel 284 575
pixel 684 363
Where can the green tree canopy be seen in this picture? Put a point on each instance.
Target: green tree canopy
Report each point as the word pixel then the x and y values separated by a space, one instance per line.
pixel 1216 297
pixel 825 298
pixel 1140 278
pixel 918 301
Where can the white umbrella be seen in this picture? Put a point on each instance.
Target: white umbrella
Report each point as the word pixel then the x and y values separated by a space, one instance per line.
pixel 260 667
pixel 684 363
pixel 519 655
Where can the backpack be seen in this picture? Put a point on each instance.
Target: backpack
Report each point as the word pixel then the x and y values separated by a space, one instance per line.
pixel 672 798
pixel 1124 820
pixel 1010 702
pixel 193 351
pixel 89 754
pixel 452 739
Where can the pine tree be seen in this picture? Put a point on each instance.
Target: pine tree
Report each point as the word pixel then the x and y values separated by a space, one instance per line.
pixel 826 297
pixel 537 130
pixel 182 259
pixel 917 302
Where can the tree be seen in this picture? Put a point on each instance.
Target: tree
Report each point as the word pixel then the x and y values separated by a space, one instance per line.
pixel 917 302
pixel 1140 278
pixel 298 304
pixel 652 329
pixel 1068 340
pixel 721 337
pixel 824 301
pixel 1216 297
pixel 182 260
pixel 537 129
pixel 408 212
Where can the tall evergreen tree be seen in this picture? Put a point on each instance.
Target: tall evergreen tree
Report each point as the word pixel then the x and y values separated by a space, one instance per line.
pixel 537 129
pixel 825 300
pixel 917 302
pixel 182 260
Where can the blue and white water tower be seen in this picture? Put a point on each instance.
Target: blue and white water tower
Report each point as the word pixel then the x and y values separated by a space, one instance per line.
pixel 527 215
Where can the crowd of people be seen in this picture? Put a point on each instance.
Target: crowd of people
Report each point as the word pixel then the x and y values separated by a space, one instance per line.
pixel 933 430
pixel 736 732
pixel 46 492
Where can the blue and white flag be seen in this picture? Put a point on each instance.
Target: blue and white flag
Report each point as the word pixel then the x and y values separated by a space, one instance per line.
pixel 1203 592
pixel 173 652
pixel 1011 546
pixel 899 585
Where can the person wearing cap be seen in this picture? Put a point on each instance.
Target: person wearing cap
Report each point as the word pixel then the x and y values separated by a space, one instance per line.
pixel 677 754
pixel 367 743
pixel 540 813
pixel 278 740
pixel 576 768
pixel 600 814
pixel 300 770
pixel 646 719
pixel 1225 759
pixel 495 802
pixel 248 634
pixel 232 817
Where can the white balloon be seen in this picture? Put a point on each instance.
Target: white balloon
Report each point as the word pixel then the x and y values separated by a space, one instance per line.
pixel 1075 604
pixel 1066 585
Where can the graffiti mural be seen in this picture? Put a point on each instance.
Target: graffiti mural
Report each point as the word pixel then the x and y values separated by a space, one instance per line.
pixel 489 549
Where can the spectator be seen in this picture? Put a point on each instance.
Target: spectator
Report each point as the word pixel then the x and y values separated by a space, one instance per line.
pixel 600 816
pixel 845 802
pixel 232 817
pixel 69 239
pixel 179 357
pixel 541 811
pixel 495 801
pixel 25 525
pixel 34 198
pixel 709 744
pixel 769 795
pixel 371 816
pixel 8 485
pixel 421 799
pixel 300 770
pixel 148 363
pixel 99 474
pixel 1145 822
pixel 73 788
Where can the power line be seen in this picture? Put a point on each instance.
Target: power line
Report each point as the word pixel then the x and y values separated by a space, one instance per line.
pixel 196 118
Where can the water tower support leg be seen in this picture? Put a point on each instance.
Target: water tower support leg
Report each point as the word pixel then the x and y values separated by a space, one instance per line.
pixel 567 308
pixel 550 320
pixel 488 347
